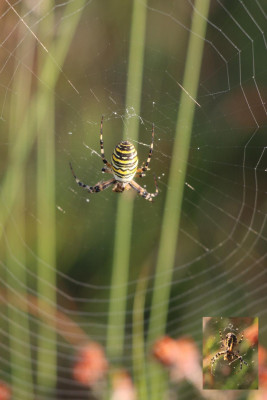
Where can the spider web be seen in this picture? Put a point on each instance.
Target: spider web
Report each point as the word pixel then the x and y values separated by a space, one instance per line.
pixel 221 252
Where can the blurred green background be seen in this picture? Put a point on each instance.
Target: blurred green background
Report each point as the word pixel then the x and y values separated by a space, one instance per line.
pixel 53 92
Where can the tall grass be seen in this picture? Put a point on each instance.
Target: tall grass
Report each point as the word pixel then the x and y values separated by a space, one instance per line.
pixel 139 354
pixel 176 182
pixel 36 120
pixel 172 211
pixel 46 180
pixel 16 277
pixel 46 230
pixel 122 238
pixel 49 73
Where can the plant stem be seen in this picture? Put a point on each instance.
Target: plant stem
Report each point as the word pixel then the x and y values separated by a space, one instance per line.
pixel 122 244
pixel 16 277
pixel 139 356
pixel 173 205
pixel 46 229
pixel 25 141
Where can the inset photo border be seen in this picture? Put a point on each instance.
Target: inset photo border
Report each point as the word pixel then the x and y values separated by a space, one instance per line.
pixel 230 353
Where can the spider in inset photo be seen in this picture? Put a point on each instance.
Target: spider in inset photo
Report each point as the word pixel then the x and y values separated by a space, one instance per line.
pixel 230 353
pixel 123 167
pixel 229 343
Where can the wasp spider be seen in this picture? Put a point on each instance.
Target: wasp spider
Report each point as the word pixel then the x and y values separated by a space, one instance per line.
pixel 228 344
pixel 123 166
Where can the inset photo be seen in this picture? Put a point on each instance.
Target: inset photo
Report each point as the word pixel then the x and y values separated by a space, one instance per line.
pixel 230 353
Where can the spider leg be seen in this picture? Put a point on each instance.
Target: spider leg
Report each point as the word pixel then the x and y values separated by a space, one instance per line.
pixel 241 338
pixel 140 172
pixel 240 358
pixel 93 189
pixel 142 192
pixel 222 340
pixel 217 355
pixel 107 164
pixel 107 170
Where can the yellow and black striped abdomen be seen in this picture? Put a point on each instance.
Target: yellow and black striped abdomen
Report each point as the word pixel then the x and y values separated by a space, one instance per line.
pixel 124 161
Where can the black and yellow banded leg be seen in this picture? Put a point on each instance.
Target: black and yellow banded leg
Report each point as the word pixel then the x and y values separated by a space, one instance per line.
pixel 141 171
pixel 96 188
pixel 107 167
pixel 142 192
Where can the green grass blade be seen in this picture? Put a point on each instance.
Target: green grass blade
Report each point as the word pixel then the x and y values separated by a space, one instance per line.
pixel 139 353
pixel 25 141
pixel 18 322
pixel 172 210
pixel 122 244
pixel 42 107
pixel 16 277
pixel 46 229
pixel 46 203
pixel 46 235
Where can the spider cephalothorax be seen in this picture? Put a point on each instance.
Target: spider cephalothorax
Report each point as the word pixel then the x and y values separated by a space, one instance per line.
pixel 228 344
pixel 123 166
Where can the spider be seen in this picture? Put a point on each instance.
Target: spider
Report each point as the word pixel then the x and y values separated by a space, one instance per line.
pixel 229 343
pixel 123 166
